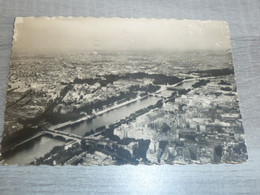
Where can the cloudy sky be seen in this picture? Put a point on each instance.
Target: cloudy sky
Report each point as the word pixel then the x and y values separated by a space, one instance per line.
pixel 63 35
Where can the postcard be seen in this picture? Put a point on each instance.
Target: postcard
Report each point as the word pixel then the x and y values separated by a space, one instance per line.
pixel 115 91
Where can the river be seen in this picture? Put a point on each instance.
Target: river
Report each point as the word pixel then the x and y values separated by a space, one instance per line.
pixel 110 117
pixel 32 150
pixel 40 146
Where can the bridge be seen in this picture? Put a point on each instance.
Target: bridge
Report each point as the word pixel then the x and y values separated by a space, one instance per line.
pixel 156 95
pixel 54 133
pixel 12 147
pixel 65 135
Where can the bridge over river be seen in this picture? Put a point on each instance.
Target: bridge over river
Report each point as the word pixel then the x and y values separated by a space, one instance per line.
pixel 67 132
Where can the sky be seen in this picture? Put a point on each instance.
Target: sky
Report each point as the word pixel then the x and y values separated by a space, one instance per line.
pixel 45 35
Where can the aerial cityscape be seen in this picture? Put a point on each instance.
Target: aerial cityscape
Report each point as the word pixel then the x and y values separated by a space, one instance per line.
pixel 115 107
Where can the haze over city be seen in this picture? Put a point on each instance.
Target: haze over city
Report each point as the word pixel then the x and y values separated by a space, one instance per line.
pixel 59 35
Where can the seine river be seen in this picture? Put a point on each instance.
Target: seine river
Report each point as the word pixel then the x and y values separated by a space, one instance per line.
pixel 39 147
pixel 32 149
pixel 110 117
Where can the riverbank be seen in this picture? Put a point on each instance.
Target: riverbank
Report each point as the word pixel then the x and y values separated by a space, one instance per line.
pixel 95 114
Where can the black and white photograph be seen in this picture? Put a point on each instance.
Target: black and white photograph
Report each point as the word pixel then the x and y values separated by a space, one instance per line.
pixel 116 91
